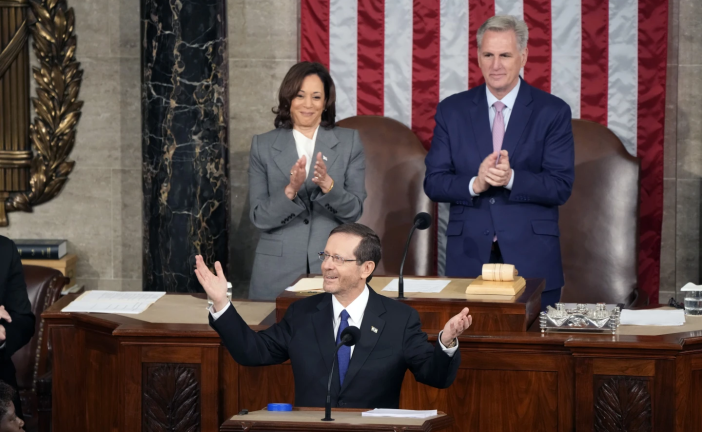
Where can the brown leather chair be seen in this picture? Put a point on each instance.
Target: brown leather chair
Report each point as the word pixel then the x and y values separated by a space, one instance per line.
pixel 599 222
pixel 394 182
pixel 44 287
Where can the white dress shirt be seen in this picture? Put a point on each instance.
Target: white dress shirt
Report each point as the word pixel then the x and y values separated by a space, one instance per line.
pixel 509 101
pixel 356 310
pixel 305 146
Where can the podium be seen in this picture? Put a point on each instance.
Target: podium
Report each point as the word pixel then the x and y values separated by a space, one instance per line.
pixel 348 420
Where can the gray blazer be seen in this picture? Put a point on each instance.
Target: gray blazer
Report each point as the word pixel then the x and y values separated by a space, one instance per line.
pixel 293 232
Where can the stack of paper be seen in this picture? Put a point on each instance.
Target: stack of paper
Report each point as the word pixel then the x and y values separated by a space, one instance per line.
pixel 378 412
pixel 120 302
pixel 419 285
pixel 315 284
pixel 652 317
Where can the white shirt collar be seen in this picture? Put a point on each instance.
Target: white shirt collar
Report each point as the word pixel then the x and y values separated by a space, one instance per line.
pixel 299 136
pixel 355 309
pixel 509 99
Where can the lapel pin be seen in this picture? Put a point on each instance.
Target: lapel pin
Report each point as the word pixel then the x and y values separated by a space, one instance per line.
pixel 324 157
pixel 374 330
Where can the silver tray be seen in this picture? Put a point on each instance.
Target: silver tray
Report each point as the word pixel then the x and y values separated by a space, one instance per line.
pixel 580 317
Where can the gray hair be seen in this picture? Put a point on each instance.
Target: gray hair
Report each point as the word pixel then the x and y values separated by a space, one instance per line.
pixel 501 23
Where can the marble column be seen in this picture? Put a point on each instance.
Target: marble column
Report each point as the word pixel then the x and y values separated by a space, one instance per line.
pixel 185 151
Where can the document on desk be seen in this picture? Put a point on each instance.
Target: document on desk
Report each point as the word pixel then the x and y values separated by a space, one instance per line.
pixel 386 412
pixel 652 317
pixel 120 302
pixel 419 285
pixel 315 284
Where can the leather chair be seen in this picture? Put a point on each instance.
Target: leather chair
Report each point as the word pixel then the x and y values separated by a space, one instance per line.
pixel 394 182
pixel 599 222
pixel 44 287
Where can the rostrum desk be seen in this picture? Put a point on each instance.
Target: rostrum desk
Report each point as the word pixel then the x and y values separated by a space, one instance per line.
pixel 117 373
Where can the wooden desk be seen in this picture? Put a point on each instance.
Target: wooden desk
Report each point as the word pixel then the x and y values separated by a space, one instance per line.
pixel 504 314
pixel 114 373
pixel 347 420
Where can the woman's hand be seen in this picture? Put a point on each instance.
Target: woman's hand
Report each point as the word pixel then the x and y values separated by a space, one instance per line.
pixel 321 178
pixel 297 178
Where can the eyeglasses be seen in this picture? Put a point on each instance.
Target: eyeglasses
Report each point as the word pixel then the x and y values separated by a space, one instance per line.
pixel 336 259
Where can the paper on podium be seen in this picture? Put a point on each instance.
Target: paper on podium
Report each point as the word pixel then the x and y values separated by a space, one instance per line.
pixel 118 302
pixel 418 285
pixel 652 317
pixel 386 412
pixel 315 284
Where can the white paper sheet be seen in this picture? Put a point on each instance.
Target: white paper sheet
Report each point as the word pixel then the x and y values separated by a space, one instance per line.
pixel 419 285
pixel 129 302
pixel 652 317
pixel 386 412
pixel 308 284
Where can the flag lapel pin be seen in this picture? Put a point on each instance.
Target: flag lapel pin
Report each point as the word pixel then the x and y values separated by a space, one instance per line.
pixel 374 330
pixel 324 157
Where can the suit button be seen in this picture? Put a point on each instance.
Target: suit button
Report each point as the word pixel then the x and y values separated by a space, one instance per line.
pixel 342 403
pixel 306 221
pixel 282 222
pixel 487 233
pixel 492 200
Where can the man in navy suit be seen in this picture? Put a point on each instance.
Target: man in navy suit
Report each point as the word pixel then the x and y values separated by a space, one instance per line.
pixel 503 156
pixel 369 374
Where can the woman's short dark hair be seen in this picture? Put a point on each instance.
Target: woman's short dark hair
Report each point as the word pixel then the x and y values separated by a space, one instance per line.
pixel 290 87
pixel 7 394
pixel 369 247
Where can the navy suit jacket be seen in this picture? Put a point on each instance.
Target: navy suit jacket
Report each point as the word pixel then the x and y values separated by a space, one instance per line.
pixel 378 363
pixel 539 139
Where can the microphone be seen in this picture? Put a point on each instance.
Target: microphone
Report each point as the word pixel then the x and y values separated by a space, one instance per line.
pixel 349 337
pixel 422 221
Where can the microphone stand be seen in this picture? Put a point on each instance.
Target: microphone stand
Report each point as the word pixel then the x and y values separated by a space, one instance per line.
pixel 327 404
pixel 401 281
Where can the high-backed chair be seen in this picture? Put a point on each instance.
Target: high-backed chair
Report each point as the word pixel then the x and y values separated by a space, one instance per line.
pixel 598 224
pixel 44 287
pixel 394 182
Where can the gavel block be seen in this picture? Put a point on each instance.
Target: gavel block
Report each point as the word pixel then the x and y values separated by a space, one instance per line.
pixel 497 279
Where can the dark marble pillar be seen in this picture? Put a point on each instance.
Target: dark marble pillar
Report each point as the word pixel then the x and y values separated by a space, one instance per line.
pixel 185 151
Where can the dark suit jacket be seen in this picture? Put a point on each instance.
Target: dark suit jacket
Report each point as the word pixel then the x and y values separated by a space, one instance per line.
pixel 13 295
pixel 539 139
pixel 379 360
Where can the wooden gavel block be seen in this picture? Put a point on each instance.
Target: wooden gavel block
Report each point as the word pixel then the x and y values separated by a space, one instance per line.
pixel 499 272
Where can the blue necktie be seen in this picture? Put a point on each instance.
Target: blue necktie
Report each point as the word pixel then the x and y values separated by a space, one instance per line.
pixel 344 354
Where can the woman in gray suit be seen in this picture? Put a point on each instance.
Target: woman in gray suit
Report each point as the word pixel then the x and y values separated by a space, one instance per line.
pixel 306 177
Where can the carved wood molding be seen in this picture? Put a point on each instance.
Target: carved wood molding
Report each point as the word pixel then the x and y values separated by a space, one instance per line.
pixel 623 404
pixel 170 397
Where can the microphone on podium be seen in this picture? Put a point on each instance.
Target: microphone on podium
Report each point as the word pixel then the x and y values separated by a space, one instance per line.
pixel 422 221
pixel 349 337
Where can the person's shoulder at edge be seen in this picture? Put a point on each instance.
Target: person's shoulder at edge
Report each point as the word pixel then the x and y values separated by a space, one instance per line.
pixel 546 99
pixel 270 136
pixel 5 243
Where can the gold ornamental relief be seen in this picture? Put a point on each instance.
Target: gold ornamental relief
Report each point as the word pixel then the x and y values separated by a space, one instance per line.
pixel 34 164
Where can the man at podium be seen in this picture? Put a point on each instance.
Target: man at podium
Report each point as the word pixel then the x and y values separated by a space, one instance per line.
pixel 369 374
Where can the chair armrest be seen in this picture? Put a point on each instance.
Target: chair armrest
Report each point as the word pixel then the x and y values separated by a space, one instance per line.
pixel 44 383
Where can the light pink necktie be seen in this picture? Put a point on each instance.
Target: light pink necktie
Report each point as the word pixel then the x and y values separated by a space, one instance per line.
pixel 498 133
pixel 498 127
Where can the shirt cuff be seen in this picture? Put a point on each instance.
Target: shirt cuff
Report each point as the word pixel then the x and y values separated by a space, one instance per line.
pixel 470 186
pixel 449 351
pixel 216 315
pixel 511 182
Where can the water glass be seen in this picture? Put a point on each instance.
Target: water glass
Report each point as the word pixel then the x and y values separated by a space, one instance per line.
pixel 693 302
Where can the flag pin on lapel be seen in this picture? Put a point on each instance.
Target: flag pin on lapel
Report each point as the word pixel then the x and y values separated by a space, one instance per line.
pixel 324 157
pixel 374 330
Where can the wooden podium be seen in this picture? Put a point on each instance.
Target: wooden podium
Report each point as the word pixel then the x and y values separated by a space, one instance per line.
pixel 347 420
pixel 115 373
